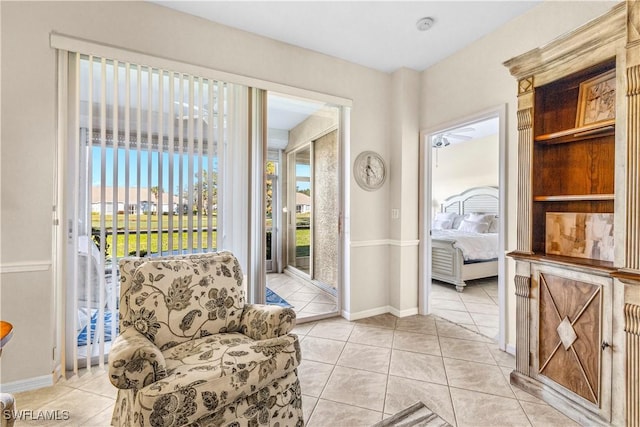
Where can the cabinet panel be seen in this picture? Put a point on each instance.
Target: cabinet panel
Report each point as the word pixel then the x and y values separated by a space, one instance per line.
pixel 569 347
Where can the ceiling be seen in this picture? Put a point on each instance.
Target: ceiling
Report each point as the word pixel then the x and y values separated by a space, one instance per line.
pixel 286 112
pixel 376 34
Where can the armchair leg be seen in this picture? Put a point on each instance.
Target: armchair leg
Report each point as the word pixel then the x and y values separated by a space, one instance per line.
pixel 7 404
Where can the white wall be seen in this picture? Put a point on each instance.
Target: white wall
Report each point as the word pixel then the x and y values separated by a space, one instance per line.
pixel 463 166
pixel 29 132
pixel 403 195
pixel 474 80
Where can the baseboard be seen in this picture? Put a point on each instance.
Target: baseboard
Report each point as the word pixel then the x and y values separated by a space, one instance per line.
pixel 364 314
pixel 377 311
pixel 511 349
pixel 403 313
pixel 28 384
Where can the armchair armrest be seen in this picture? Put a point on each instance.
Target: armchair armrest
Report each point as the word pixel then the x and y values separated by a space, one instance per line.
pixel 261 321
pixel 134 361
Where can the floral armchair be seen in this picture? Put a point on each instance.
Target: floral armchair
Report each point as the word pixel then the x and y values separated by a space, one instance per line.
pixel 190 351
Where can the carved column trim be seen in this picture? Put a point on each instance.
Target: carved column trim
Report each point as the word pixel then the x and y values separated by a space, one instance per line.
pixel 632 261
pixel 523 292
pixel 525 153
pixel 632 330
pixel 633 23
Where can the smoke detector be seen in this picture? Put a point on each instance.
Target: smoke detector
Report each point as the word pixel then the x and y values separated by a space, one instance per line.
pixel 425 23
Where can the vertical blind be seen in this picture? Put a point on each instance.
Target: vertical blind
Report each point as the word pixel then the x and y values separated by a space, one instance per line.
pixel 153 156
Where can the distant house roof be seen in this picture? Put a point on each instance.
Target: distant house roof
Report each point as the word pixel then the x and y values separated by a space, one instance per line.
pixel 303 199
pixel 145 195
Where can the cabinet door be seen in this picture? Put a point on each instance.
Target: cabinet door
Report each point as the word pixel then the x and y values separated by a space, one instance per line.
pixel 573 322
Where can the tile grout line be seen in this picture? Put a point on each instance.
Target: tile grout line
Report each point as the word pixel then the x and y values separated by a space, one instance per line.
pixel 330 374
pixel 446 375
pixel 317 398
pixel 386 383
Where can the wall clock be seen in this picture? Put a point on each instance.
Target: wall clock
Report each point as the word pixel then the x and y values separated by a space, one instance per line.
pixel 369 170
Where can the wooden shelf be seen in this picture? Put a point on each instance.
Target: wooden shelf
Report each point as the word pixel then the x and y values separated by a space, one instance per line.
pixel 574 198
pixel 590 131
pixel 593 265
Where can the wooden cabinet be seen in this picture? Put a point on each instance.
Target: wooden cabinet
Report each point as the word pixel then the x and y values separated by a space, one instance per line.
pixel 578 311
pixel 574 334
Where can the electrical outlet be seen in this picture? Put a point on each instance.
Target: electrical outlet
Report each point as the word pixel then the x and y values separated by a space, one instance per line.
pixel 395 213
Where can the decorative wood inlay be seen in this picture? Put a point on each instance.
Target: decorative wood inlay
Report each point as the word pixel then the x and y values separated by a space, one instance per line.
pixel 633 169
pixel 566 333
pixel 525 152
pixel 523 291
pixel 632 329
pixel 571 309
pixel 525 85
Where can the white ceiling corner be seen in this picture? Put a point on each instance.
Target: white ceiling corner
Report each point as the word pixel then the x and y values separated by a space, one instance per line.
pixel 376 34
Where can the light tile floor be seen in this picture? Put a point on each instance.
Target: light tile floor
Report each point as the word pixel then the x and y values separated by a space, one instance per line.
pixel 356 373
pixel 307 300
pixel 476 308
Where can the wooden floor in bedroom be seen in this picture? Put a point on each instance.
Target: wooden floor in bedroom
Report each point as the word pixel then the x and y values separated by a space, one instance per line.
pixel 476 308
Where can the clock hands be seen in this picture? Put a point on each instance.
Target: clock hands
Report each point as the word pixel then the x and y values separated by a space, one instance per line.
pixel 370 173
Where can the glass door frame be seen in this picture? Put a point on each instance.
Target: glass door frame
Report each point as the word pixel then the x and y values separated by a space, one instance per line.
pixel 274 265
pixel 291 190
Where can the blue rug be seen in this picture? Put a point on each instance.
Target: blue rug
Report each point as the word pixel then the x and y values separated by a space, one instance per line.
pixel 275 299
pixel 82 336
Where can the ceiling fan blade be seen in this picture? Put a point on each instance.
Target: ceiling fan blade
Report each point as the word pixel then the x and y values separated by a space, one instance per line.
pixel 462 137
pixel 467 129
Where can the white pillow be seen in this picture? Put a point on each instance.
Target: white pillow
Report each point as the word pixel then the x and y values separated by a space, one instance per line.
pixel 442 224
pixel 479 217
pixel 494 225
pixel 445 216
pixel 457 220
pixel 473 227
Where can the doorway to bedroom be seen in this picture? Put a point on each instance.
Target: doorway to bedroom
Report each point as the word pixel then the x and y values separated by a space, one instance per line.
pixel 463 194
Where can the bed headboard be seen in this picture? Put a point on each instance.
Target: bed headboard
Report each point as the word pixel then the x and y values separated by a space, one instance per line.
pixel 477 199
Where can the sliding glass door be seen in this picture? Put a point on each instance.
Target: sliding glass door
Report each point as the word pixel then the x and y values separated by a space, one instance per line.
pixel 162 162
pixel 155 164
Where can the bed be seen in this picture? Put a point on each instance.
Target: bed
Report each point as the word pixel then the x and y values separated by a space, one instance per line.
pixel 471 252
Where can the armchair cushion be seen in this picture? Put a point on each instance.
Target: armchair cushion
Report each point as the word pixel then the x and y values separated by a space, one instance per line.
pixel 266 321
pixel 212 372
pixel 173 302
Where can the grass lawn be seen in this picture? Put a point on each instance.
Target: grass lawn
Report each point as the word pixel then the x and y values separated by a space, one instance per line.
pixel 198 242
pixel 151 221
pixel 159 240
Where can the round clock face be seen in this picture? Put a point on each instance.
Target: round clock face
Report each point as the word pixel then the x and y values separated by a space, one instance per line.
pixel 369 170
